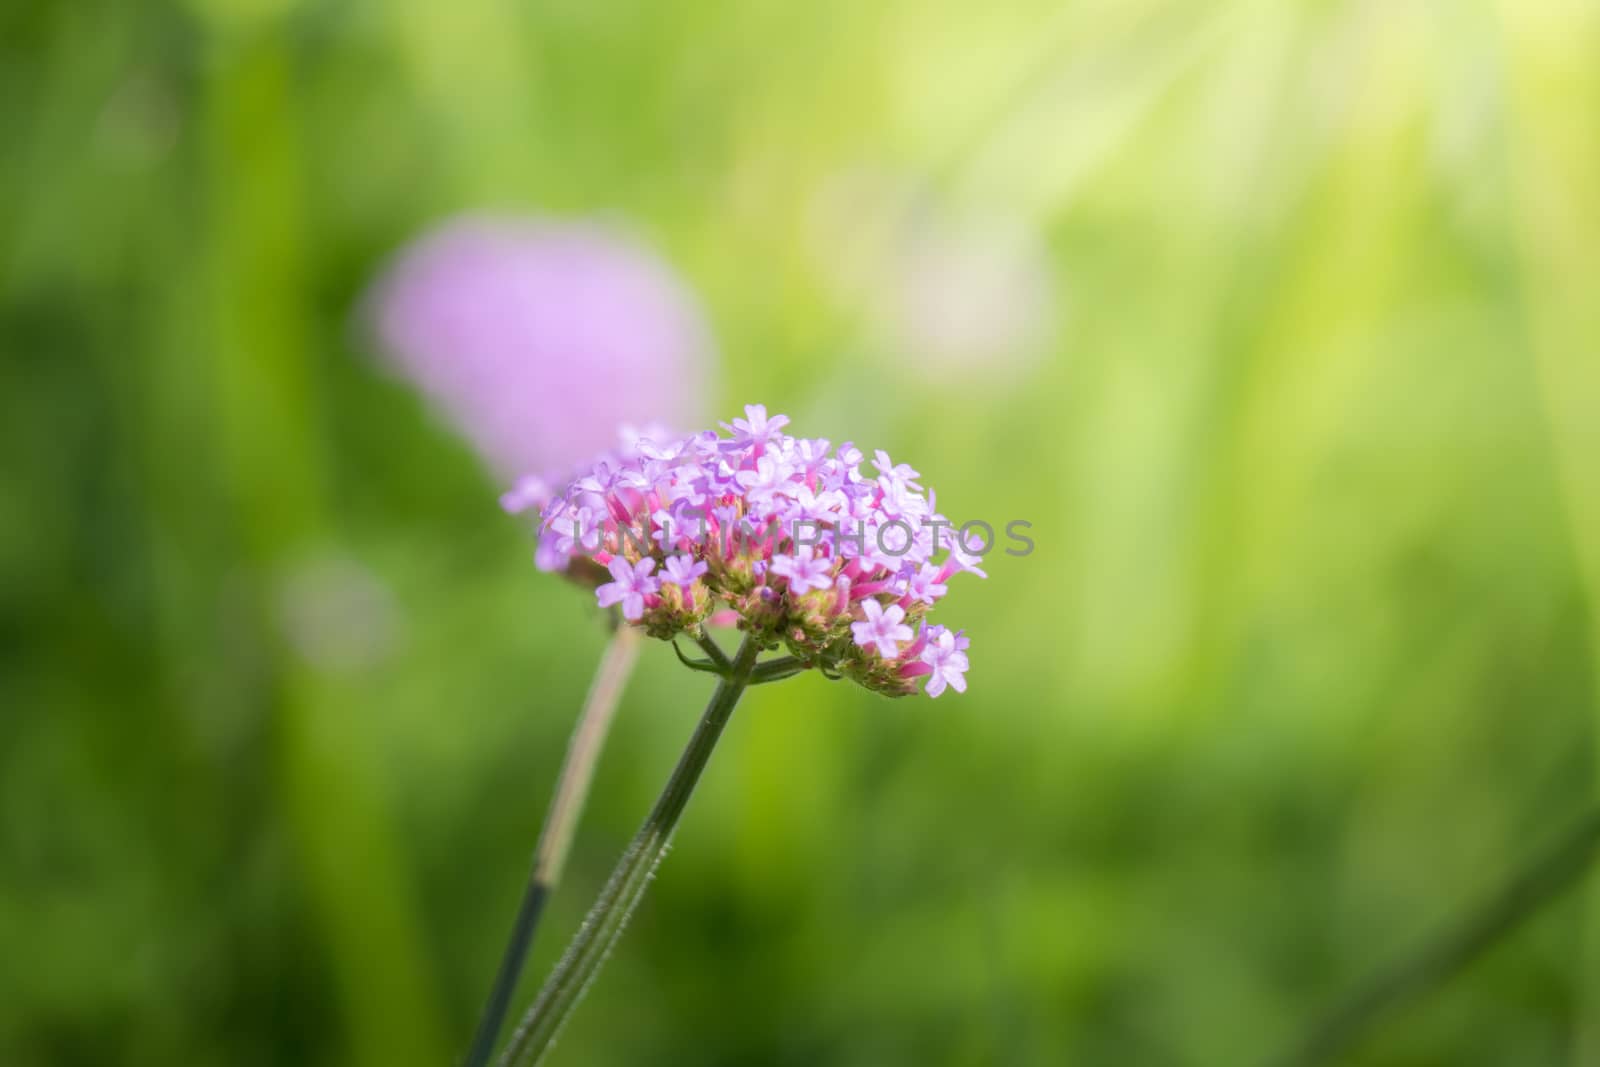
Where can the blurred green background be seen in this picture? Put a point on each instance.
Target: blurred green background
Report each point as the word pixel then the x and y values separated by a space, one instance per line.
pixel 1309 434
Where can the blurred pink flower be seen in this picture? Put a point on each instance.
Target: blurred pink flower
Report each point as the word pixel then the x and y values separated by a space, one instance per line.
pixel 538 339
pixel 338 614
pixel 943 285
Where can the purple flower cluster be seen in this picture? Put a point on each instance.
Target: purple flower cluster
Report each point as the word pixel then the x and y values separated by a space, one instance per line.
pixel 803 547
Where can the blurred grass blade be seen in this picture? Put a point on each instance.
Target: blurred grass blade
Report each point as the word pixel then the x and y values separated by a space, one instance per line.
pixel 1442 958
pixel 1553 157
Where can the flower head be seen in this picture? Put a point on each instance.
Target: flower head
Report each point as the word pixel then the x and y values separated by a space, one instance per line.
pixel 946 655
pixel 683 570
pixel 804 571
pixel 755 428
pixel 631 584
pixel 882 627
pixel 795 541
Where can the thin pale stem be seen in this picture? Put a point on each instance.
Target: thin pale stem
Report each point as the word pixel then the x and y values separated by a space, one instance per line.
pixel 555 839
pixel 1436 961
pixel 622 893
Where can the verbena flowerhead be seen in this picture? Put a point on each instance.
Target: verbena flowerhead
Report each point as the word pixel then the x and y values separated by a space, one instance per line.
pixel 802 544
pixel 537 339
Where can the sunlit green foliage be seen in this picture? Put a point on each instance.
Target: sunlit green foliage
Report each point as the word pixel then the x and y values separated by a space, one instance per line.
pixel 1305 656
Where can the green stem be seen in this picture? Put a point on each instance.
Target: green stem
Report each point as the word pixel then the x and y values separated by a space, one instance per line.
pixel 555 840
pixel 776 670
pixel 713 650
pixel 622 893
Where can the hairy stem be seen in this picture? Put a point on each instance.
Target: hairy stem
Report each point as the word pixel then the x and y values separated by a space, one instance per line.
pixel 555 840
pixel 1435 961
pixel 622 893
